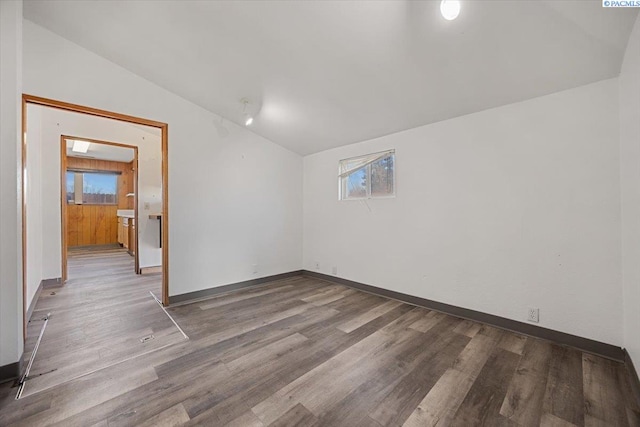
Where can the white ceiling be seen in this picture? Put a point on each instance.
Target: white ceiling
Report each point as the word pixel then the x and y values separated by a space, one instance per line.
pixel 103 152
pixel 330 73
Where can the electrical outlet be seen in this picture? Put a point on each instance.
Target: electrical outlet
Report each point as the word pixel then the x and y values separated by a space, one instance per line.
pixel 334 270
pixel 317 266
pixel 255 268
pixel 533 315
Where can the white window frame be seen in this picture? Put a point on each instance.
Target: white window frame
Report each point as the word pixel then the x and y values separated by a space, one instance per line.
pixel 342 191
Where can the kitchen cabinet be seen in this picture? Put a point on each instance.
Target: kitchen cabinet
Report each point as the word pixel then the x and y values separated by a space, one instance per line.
pixel 120 231
pixel 125 232
pixel 132 236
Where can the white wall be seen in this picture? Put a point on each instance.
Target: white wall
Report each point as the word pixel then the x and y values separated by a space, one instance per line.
pixel 509 208
pixel 498 211
pixel 35 208
pixel 10 217
pixel 630 183
pixel 58 122
pixel 235 198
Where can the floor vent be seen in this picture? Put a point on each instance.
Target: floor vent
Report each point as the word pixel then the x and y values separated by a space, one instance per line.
pixel 147 338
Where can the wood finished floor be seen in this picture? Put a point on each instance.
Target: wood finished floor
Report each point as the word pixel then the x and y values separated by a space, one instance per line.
pixel 306 352
pixel 95 322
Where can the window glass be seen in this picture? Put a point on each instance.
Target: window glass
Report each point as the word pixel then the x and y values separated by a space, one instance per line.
pixel 368 176
pixel 99 188
pixel 70 187
pixel 356 184
pixel 92 188
pixel 382 177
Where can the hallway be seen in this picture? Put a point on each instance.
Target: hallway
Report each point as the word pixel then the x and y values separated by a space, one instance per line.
pixel 99 318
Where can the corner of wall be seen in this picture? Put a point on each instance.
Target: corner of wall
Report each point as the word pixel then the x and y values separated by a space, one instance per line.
pixel 11 343
pixel 629 140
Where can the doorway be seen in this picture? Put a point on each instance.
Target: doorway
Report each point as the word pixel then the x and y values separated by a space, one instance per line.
pixel 98 198
pixel 163 223
pixel 89 239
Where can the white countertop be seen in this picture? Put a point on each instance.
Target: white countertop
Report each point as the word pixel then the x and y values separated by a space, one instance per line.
pixel 126 213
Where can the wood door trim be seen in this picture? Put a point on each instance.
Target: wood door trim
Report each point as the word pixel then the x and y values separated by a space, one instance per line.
pixel 164 129
pixel 63 206
pixel 99 141
pixel 61 105
pixel 63 200
pixel 135 212
pixel 23 170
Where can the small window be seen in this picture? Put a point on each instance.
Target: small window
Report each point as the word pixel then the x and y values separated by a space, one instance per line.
pixel 92 188
pixel 71 192
pixel 369 176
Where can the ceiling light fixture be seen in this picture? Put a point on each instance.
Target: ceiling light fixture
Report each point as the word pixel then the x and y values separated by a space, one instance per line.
pixel 450 9
pixel 80 146
pixel 248 118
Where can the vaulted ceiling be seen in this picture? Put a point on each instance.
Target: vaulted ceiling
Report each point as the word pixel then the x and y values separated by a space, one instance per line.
pixel 321 74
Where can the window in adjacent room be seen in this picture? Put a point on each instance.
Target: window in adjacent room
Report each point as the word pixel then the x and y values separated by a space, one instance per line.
pixel 71 192
pixel 369 176
pixel 92 188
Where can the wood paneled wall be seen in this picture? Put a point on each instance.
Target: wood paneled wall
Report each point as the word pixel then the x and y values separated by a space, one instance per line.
pixel 91 225
pixel 98 224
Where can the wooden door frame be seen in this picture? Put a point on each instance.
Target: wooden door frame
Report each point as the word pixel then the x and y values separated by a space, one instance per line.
pixel 64 204
pixel 164 129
